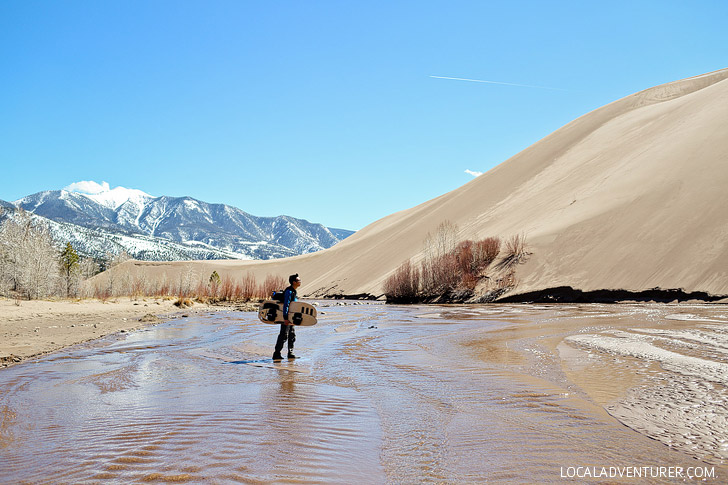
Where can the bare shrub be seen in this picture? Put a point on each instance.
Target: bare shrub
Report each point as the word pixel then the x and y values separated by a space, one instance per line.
pixel 138 286
pixel 202 291
pixel 468 282
pixel 38 277
pixel 111 282
pixel 102 291
pixel 270 284
pixel 446 237
pixel 516 252
pixel 237 292
pixel 29 258
pixel 88 268
pixel 85 289
pixel 160 287
pixel 403 285
pixel 184 285
pixel 446 270
pixel 249 287
pixel 125 283
pixel 164 287
pixel 484 253
pixel 440 276
pixel 464 255
pixel 437 264
pixel 442 242
pixel 12 235
pixel 227 288
pixel 428 282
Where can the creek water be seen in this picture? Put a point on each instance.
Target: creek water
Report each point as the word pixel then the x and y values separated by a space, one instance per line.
pixel 381 394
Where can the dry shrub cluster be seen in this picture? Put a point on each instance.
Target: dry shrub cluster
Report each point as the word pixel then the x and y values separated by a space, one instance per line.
pixel 187 287
pixel 271 284
pixel 403 285
pixel 515 253
pixel 452 271
pixel 183 302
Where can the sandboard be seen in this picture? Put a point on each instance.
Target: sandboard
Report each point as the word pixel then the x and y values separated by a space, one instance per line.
pixel 299 313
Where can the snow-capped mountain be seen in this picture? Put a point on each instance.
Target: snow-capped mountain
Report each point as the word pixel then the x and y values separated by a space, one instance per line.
pixel 99 244
pixel 211 231
pixel 113 198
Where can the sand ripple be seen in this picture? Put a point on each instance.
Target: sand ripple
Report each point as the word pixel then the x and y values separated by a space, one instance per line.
pixel 685 406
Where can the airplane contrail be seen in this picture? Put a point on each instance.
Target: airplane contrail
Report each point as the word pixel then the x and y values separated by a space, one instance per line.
pixel 497 82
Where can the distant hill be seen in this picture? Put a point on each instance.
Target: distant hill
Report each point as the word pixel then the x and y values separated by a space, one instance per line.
pixel 631 196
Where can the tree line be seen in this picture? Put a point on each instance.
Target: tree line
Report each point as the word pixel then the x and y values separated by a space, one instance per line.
pixel 32 265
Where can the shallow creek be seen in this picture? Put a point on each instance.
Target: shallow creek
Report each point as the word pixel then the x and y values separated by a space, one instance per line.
pixel 380 394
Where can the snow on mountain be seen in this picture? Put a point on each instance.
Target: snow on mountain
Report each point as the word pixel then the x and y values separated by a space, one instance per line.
pixel 120 195
pixel 223 230
pixel 99 244
pixel 112 198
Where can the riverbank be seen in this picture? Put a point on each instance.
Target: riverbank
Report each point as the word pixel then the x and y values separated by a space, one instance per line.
pixel 33 328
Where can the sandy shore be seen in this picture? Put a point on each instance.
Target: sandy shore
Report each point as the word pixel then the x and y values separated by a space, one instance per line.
pixel 33 328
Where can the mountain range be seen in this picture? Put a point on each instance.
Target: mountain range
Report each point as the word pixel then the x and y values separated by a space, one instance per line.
pixel 171 228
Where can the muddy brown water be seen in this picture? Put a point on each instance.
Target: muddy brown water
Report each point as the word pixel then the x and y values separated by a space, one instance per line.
pixel 381 394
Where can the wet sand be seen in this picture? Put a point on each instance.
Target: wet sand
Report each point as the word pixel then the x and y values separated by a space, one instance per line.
pixel 381 394
pixel 37 327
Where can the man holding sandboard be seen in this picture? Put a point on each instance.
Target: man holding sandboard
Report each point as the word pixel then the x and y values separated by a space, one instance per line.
pixel 288 331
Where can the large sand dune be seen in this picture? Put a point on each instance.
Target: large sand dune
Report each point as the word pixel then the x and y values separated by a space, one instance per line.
pixel 633 195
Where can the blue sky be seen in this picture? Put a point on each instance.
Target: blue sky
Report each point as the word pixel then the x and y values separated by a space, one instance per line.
pixel 321 110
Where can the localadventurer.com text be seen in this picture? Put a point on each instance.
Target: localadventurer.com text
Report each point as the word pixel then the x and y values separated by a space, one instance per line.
pixel 690 473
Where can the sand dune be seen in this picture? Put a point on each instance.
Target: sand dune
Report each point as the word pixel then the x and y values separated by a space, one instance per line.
pixel 630 196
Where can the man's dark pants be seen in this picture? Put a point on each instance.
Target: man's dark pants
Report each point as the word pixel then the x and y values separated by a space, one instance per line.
pixel 288 332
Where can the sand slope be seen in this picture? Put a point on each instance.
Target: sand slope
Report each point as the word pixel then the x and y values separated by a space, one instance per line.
pixel 630 196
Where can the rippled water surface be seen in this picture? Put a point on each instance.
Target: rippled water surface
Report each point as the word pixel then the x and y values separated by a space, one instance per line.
pixel 381 394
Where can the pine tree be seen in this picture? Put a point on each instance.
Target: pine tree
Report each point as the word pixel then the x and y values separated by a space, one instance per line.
pixel 69 266
pixel 214 284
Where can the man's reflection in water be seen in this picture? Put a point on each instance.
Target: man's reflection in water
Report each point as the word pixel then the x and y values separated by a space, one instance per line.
pixel 287 384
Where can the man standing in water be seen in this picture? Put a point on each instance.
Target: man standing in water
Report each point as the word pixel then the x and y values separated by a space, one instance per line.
pixel 288 331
